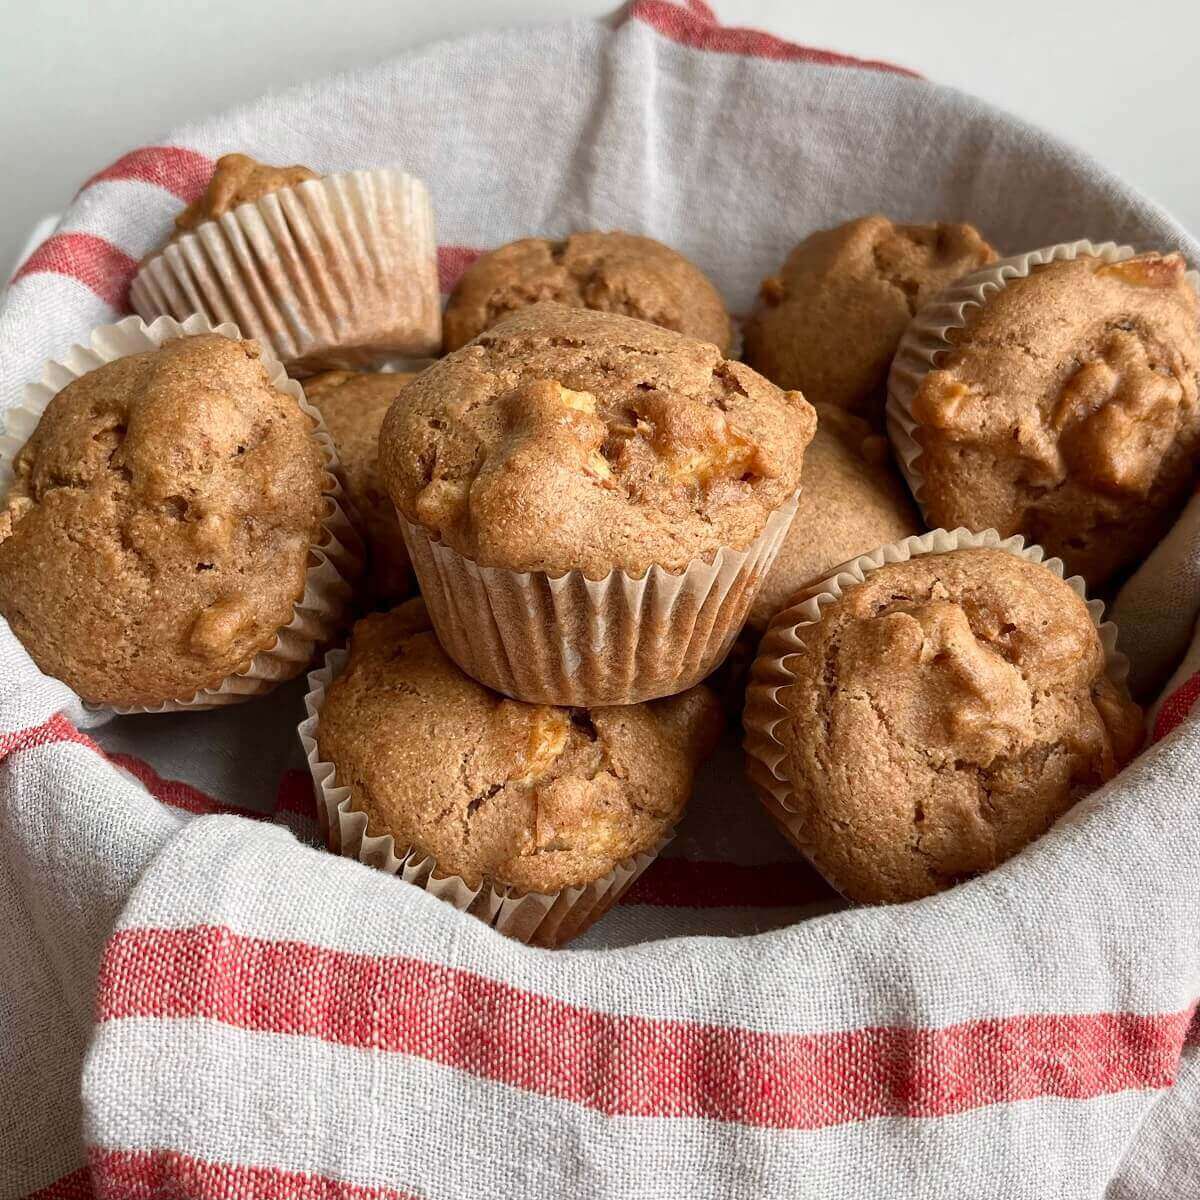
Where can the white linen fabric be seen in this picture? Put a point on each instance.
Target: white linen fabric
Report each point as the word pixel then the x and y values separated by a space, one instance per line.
pixel 260 1018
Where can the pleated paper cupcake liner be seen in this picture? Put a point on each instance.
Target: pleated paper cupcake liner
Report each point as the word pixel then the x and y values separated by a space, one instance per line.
pixel 765 712
pixel 333 272
pixel 578 642
pixel 318 615
pixel 536 918
pixel 928 335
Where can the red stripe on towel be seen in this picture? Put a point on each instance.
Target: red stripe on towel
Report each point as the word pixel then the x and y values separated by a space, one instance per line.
pixel 701 10
pixel 76 1186
pixel 1176 707
pixel 183 173
pixel 176 792
pixel 169 1175
pixel 56 729
pixel 93 261
pixel 452 262
pixel 170 791
pixel 698 32
pixel 295 794
pixel 628 1065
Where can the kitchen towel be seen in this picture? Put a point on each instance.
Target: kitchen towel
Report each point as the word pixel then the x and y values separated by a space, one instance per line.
pixel 195 1002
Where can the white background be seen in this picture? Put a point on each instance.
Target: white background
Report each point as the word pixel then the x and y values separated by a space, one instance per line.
pixel 81 81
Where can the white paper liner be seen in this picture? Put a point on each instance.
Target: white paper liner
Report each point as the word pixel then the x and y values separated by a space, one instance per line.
pixel 764 712
pixel 926 336
pixel 536 918
pixel 333 272
pixel 319 613
pixel 584 643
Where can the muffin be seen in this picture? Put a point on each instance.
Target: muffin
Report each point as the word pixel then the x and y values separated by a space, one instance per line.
pixel 829 322
pixel 354 406
pixel 852 500
pixel 921 726
pixel 591 502
pixel 1063 404
pixel 238 179
pixel 329 271
pixel 159 528
pixel 610 272
pixel 511 799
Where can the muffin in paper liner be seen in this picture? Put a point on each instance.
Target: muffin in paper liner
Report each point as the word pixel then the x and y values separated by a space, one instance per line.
pixel 576 642
pixel 538 919
pixel 319 613
pixel 764 711
pixel 926 336
pixel 339 271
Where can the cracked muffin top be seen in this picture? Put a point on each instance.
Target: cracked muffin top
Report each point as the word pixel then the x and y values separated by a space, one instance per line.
pixel 610 272
pixel 564 438
pixel 157 533
pixel 946 712
pixel 354 405
pixel 1068 409
pixel 521 795
pixel 852 501
pixel 237 179
pixel 830 321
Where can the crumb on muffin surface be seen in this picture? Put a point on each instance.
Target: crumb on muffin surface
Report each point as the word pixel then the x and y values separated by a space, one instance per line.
pixel 528 796
pixel 157 533
pixel 564 438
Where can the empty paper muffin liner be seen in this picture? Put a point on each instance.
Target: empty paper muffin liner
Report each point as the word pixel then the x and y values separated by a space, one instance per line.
pixel 578 642
pixel 536 918
pixel 333 272
pixel 765 712
pixel 927 336
pixel 319 613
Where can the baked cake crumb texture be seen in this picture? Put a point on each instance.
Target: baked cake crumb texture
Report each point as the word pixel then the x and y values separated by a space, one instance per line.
pixel 564 438
pixel 946 712
pixel 529 796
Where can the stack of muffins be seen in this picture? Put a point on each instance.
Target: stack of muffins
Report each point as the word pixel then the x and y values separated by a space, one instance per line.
pixel 597 505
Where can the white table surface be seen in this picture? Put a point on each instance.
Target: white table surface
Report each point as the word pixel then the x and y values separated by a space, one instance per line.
pixel 81 81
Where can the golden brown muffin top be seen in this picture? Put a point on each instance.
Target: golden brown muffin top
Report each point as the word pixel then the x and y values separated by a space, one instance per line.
pixel 523 795
pixel 610 272
pixel 1068 409
pixel 830 321
pixel 238 179
pixel 157 534
pixel 852 501
pixel 354 405
pixel 564 438
pixel 945 713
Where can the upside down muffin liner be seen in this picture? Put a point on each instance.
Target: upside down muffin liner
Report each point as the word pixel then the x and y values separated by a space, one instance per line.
pixel 576 642
pixel 339 271
pixel 536 918
pixel 765 712
pixel 337 557
pixel 928 335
